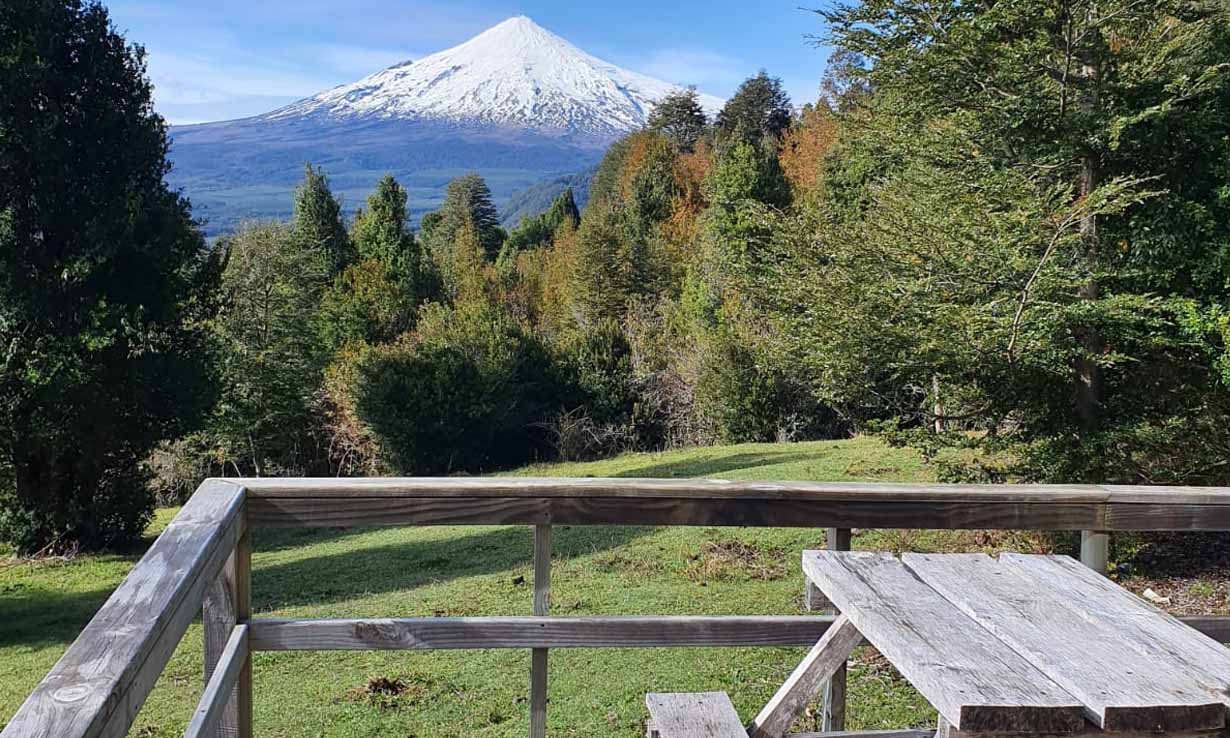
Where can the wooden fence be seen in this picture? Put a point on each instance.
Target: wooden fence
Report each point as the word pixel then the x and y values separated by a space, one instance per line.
pixel 202 564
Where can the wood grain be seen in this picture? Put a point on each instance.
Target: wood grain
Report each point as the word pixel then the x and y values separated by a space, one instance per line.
pixel 329 502
pixel 805 682
pixel 427 634
pixel 1065 638
pixel 227 603
pixel 539 656
pixel 694 715
pixel 844 512
pixel 1143 627
pixel 217 698
pixel 833 704
pixel 973 679
pixel 102 680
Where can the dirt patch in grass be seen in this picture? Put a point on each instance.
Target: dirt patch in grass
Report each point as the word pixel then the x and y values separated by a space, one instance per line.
pixel 732 560
pixel 392 692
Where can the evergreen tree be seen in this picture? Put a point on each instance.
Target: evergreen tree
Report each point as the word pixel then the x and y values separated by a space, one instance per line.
pixel 382 231
pixel 758 112
pixel 563 210
pixel 317 222
pixel 539 230
pixel 468 200
pixel 680 118
pixel 104 281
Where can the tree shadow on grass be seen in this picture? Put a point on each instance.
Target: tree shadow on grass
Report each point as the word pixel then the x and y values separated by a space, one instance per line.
pixel 407 565
pixel 705 467
pixel 35 616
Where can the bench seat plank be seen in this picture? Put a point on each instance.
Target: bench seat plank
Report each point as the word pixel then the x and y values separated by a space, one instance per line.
pixel 971 677
pixel 1121 689
pixel 694 715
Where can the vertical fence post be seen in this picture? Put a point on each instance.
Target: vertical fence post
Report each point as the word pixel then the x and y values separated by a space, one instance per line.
pixel 227 603
pixel 542 606
pixel 834 716
pixel 1095 550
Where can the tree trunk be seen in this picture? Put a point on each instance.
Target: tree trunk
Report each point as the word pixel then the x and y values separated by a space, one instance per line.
pixel 1088 375
pixel 939 403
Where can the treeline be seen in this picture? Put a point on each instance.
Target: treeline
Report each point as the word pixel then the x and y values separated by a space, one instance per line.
pixel 1002 235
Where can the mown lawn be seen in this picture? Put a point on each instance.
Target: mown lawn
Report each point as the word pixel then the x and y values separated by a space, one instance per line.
pixel 486 570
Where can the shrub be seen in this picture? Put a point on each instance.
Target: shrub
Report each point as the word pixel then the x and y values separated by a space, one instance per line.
pixel 464 392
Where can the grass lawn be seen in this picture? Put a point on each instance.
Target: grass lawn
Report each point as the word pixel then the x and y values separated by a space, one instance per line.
pixel 485 571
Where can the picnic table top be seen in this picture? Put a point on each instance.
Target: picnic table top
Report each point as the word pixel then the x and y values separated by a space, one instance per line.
pixel 1028 644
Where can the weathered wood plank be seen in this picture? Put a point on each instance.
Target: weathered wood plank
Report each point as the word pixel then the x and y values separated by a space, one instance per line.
pixel 1121 689
pixel 833 716
pixel 97 687
pixel 539 656
pixel 227 603
pixel 714 488
pixel 843 512
pixel 669 631
pixel 217 698
pixel 821 662
pixel 425 634
pixel 694 715
pixel 1150 631
pixel 1089 731
pixel 973 679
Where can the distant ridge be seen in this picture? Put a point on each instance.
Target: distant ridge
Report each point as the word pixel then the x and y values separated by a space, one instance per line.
pixel 517 103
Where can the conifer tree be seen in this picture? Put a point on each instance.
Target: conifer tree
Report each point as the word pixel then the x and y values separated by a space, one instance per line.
pixel 317 222
pixel 680 118
pixel 758 112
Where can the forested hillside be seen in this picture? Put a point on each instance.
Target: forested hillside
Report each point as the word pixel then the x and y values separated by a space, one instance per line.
pixel 1001 235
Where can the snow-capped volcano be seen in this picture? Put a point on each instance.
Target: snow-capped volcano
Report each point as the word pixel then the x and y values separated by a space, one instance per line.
pixel 517 104
pixel 514 74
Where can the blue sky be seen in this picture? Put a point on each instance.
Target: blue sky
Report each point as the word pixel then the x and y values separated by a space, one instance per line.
pixel 221 59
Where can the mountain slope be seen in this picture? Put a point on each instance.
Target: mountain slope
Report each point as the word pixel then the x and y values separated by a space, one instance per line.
pixel 517 103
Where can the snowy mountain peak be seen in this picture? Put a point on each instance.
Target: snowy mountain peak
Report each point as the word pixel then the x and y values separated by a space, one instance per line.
pixel 515 74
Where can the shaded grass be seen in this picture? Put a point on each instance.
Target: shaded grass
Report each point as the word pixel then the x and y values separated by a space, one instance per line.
pixel 472 570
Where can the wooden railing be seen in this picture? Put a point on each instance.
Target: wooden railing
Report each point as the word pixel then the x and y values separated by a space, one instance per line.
pixel 202 564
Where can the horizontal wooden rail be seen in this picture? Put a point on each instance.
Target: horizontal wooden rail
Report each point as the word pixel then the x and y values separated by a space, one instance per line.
pixel 514 500
pixel 425 634
pixel 670 631
pixel 97 687
pixel 209 711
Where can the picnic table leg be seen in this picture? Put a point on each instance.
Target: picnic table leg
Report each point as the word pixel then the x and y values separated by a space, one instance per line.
pixel 834 715
pixel 538 656
pixel 1095 550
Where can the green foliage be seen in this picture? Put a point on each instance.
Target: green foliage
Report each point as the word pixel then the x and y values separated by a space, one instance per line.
pixel 680 118
pixel 267 353
pixel 539 230
pixel 105 281
pixel 468 200
pixel 374 300
pixel 758 112
pixel 317 222
pixel 461 393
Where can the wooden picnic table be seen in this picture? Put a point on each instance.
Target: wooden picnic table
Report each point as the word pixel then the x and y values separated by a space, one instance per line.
pixel 1015 646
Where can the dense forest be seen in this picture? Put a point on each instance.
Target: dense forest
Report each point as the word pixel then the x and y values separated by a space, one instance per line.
pixel 1000 234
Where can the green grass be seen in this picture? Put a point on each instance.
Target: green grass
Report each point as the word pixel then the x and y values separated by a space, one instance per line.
pixel 485 570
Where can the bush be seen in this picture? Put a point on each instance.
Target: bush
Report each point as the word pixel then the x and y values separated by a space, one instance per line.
pixel 465 392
